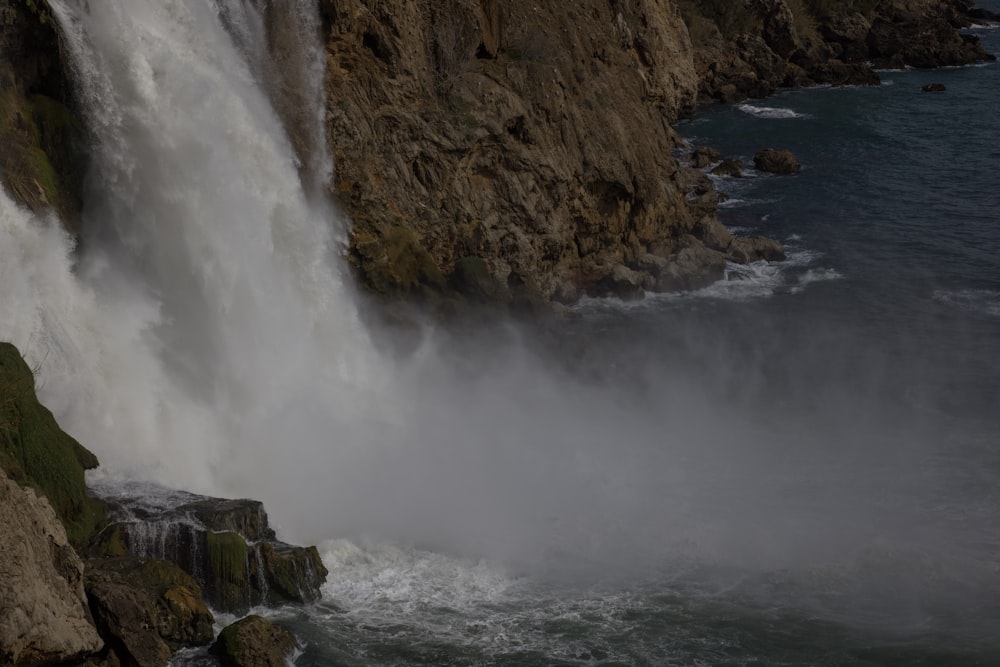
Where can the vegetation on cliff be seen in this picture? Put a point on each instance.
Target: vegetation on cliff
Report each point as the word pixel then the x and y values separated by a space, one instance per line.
pixel 35 452
pixel 41 163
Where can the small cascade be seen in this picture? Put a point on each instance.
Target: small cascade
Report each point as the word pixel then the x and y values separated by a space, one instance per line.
pixel 261 579
pixel 227 546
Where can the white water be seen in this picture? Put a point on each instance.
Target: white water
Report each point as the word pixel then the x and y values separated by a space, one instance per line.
pixel 206 338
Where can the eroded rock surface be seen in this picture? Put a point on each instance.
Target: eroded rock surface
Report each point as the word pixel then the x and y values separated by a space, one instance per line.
pixel 530 142
pixel 44 617
pixel 226 545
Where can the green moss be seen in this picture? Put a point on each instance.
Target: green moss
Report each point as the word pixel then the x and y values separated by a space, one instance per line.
pixel 227 559
pixel 35 452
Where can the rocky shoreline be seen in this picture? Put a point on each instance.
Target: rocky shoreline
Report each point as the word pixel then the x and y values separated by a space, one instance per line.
pixel 499 153
pixel 516 154
pixel 122 578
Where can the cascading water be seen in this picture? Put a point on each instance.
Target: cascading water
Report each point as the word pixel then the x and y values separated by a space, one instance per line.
pixel 210 304
pixel 723 471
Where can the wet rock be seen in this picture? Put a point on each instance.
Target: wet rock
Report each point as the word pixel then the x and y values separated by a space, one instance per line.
pixel 145 609
pixel 44 617
pixel 692 268
pixel 776 161
pixel 933 88
pixel 226 545
pixel 702 156
pixel 254 641
pixel 747 250
pixel 35 452
pixel 732 168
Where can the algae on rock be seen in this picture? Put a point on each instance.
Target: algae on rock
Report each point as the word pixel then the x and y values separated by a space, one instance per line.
pixel 36 452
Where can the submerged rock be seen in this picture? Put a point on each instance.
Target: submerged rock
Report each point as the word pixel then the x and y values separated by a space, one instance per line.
pixel 934 88
pixel 226 545
pixel 43 610
pixel 776 161
pixel 254 641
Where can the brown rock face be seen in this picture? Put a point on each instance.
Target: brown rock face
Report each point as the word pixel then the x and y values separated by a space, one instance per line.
pixel 43 609
pixel 531 139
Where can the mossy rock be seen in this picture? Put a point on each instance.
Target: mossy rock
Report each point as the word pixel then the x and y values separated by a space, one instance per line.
pixel 35 452
pixel 254 641
pixel 145 609
pixel 227 556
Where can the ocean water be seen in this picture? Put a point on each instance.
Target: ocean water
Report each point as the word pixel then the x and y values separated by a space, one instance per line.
pixel 799 465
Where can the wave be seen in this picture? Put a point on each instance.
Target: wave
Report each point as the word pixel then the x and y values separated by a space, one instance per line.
pixel 769 112
pixel 975 300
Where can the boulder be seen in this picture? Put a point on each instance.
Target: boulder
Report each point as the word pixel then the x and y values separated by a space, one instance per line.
pixel 43 610
pixel 254 641
pixel 146 609
pixel 746 250
pixel 692 268
pixel 702 156
pixel 776 161
pixel 933 88
pixel 733 168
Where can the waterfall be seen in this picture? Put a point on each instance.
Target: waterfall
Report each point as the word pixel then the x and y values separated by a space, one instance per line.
pixel 207 324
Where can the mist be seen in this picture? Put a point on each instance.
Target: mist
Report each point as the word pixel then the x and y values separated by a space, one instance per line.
pixel 208 337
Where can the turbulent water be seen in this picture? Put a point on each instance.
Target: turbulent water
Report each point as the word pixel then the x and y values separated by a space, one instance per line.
pixel 798 465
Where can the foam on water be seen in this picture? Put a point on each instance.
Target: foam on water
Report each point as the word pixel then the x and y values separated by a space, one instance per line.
pixel 769 112
pixel 975 300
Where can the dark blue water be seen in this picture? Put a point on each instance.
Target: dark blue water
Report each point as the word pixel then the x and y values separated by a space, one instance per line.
pixel 806 470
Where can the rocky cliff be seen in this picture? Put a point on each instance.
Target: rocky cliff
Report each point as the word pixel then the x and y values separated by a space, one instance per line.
pixel 41 157
pixel 523 151
pixel 44 618
pixel 138 596
pixel 517 150
pixel 750 49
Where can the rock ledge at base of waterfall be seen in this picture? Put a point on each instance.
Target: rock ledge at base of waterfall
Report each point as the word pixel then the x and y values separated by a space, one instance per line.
pixel 227 546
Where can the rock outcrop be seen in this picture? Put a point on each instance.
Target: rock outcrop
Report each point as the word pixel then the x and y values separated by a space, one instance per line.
pixel 227 546
pixel 36 452
pixel 776 161
pixel 146 609
pixel 750 49
pixel 44 617
pixel 515 149
pixel 254 641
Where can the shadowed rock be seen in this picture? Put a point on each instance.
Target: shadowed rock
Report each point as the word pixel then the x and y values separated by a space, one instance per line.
pixel 226 545
pixel 254 641
pixel 776 161
pixel 145 609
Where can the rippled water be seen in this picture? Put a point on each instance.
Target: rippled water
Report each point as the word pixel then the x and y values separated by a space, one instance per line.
pixel 839 503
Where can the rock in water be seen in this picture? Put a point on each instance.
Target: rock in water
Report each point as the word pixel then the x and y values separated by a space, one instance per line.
pixel 146 609
pixel 776 161
pixel 226 545
pixel 254 642
pixel 934 88
pixel 43 609
pixel 733 168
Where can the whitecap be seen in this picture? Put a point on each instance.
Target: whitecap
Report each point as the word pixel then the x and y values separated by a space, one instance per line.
pixel 769 112
pixel 975 300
